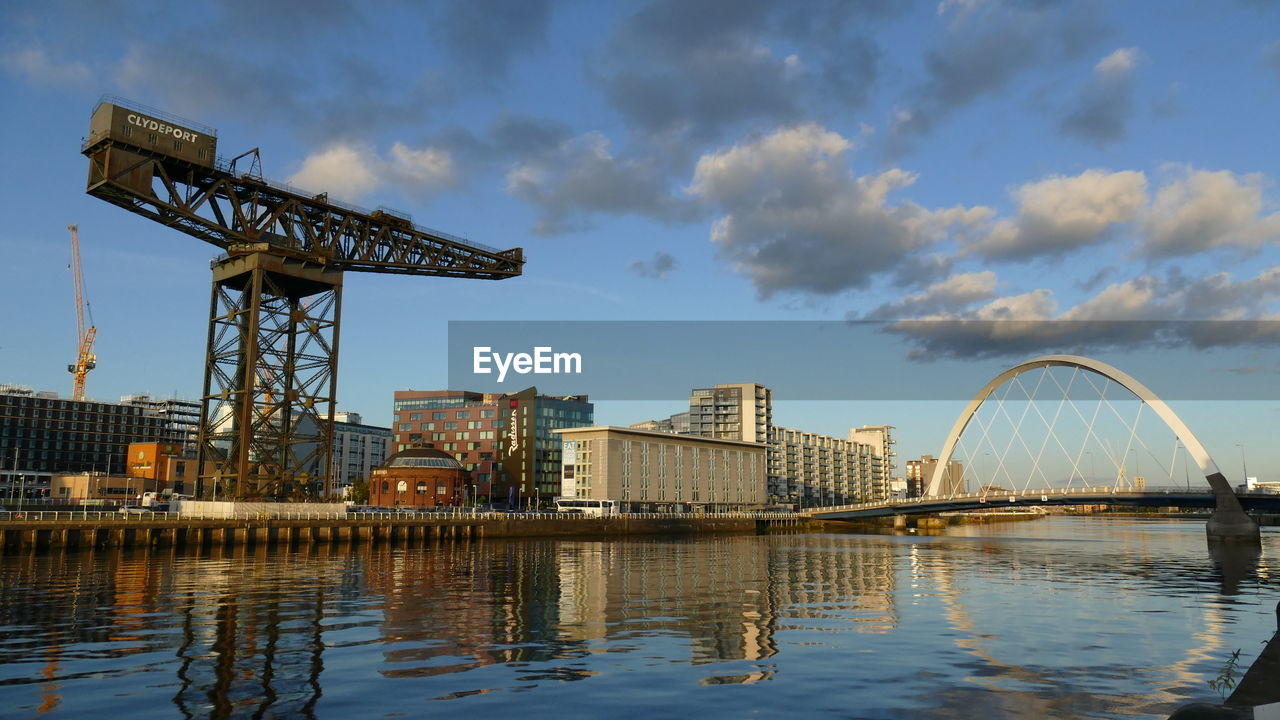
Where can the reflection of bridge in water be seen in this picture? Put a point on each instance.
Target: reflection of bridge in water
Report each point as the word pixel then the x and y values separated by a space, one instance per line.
pixel 1094 379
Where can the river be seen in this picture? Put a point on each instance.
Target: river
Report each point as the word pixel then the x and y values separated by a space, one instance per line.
pixel 1057 618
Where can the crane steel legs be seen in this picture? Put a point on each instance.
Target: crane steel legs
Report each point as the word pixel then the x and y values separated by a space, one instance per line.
pixel 266 429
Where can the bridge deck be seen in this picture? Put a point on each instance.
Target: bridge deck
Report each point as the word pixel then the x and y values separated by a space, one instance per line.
pixel 1153 497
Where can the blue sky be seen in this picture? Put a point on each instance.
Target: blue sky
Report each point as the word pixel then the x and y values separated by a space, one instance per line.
pixel 891 160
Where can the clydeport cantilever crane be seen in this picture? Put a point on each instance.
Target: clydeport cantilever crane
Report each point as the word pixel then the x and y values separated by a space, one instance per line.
pixel 270 371
pixel 86 360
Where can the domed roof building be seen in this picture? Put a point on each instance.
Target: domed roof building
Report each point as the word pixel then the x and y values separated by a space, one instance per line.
pixel 419 477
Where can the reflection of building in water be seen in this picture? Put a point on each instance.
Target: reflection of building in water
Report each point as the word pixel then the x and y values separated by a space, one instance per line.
pixel 440 603
pixel 829 577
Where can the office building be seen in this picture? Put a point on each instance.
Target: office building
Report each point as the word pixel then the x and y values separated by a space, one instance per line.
pixel 42 434
pixel 181 417
pixel 357 450
pixel 658 471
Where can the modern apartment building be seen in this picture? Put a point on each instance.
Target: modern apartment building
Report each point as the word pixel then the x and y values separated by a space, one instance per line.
pixel 654 471
pixel 803 468
pixel 470 427
pixel 738 411
pixel 357 450
pixel 879 468
pixel 920 474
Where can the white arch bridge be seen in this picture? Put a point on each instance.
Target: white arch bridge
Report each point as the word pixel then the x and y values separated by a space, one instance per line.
pixel 1228 520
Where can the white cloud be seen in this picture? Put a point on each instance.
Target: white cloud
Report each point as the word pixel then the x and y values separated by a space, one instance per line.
pixel 582 177
pixel 1204 210
pixel 1101 110
pixel 37 67
pixel 429 167
pixel 1059 214
pixel 352 171
pixel 959 290
pixel 1119 61
pixel 1143 312
pixel 794 218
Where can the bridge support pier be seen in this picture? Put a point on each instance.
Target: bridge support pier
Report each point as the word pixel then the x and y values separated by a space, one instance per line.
pixel 1229 522
pixel 899 522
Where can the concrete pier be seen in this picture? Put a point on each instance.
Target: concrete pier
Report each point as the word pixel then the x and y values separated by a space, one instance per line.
pixel 1229 522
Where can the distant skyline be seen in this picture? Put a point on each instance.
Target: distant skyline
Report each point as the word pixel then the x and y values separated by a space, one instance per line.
pixel 717 160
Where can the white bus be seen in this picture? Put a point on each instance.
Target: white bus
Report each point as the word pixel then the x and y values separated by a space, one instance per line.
pixel 594 508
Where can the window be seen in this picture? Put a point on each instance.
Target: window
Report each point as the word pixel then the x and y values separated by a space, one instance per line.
pixel 473 425
pixel 451 426
pixel 486 413
pixel 404 427
pixel 415 417
pixel 422 488
pixel 462 414
pixel 437 416
pixel 440 489
pixel 385 486
pixel 429 426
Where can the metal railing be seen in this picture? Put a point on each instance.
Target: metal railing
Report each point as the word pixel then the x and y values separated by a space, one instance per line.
pixel 1012 495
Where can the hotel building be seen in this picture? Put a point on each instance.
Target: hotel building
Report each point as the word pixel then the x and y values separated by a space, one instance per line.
pixel 653 471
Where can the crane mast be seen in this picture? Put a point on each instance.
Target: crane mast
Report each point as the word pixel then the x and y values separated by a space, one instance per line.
pixel 86 360
pixel 266 420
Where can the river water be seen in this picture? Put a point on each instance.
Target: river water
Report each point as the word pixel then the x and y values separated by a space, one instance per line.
pixel 1056 618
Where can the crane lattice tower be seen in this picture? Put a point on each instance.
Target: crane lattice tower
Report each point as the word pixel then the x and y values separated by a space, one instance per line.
pixel 266 419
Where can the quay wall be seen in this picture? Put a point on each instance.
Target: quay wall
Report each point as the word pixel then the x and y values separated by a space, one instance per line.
pixel 18 534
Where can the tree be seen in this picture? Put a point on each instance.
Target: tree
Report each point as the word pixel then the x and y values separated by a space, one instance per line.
pixel 360 492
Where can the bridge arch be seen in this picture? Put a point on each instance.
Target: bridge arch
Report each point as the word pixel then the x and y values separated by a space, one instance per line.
pixel 1142 392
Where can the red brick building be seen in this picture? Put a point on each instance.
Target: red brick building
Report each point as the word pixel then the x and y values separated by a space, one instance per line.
pixel 470 427
pixel 421 477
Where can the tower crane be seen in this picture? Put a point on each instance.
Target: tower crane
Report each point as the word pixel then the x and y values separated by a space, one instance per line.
pixel 86 360
pixel 272 352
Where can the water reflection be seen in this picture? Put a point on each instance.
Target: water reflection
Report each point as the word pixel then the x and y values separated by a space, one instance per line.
pixel 1040 623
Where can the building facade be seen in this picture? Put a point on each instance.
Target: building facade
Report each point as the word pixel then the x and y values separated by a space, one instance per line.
pixel 804 469
pixel 181 417
pixel 920 474
pixel 421 478
pixel 357 450
pixel 736 411
pixel 470 426
pixel 42 434
pixel 656 471
pixel 809 470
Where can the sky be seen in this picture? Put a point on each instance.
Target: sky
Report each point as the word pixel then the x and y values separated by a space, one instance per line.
pixel 1057 163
